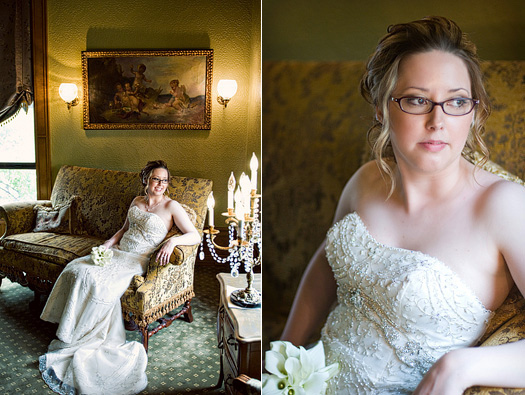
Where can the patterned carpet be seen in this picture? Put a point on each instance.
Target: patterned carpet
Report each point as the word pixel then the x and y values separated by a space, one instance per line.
pixel 183 359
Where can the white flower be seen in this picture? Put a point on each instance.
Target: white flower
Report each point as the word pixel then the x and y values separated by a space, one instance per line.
pixel 101 256
pixel 296 371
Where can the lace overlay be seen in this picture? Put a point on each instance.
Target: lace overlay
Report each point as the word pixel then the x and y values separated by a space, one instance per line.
pixel 91 355
pixel 398 312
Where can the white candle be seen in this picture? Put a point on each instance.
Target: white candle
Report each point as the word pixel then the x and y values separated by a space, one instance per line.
pixel 246 185
pixel 254 165
pixel 231 188
pixel 211 205
pixel 239 208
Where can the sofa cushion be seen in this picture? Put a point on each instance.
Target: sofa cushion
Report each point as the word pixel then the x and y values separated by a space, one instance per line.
pixel 63 218
pixel 52 247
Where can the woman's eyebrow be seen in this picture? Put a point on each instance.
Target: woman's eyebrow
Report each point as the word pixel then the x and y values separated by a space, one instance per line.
pixel 459 89
pixel 453 90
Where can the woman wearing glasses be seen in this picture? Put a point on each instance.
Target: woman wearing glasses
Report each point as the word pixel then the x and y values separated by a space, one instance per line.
pixel 424 245
pixel 91 355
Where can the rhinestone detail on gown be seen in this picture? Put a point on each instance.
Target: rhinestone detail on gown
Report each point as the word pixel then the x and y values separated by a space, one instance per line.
pixel 398 312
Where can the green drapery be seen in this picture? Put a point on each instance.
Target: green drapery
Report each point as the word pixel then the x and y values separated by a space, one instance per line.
pixel 16 89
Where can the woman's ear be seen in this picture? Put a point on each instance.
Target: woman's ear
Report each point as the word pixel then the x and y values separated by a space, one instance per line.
pixel 379 116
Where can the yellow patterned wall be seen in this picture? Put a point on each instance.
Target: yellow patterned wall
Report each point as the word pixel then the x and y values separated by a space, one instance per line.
pixel 230 27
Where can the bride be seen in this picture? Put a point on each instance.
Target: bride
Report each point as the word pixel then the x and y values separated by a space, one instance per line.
pixel 91 355
pixel 425 245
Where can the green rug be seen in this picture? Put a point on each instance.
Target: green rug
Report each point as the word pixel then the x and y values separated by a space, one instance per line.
pixel 182 359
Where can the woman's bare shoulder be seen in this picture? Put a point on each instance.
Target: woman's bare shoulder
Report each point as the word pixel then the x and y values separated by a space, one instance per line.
pixel 174 206
pixel 360 186
pixel 497 191
pixel 502 203
pixel 138 201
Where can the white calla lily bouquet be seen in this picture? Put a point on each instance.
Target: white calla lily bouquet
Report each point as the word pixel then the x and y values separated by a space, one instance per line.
pixel 295 370
pixel 101 256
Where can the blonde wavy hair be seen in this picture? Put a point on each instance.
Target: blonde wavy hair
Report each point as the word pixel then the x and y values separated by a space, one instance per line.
pixel 145 173
pixel 380 79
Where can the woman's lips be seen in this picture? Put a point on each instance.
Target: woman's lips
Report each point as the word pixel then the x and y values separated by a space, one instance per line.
pixel 433 145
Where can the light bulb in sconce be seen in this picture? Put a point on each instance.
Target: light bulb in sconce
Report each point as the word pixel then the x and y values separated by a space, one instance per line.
pixel 226 89
pixel 68 92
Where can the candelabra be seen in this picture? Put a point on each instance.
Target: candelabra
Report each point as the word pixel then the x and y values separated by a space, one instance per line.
pixel 244 235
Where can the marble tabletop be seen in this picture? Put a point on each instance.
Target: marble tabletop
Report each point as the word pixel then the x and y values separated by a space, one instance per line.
pixel 247 321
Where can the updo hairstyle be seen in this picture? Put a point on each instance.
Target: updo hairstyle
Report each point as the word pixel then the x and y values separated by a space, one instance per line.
pixel 380 79
pixel 145 173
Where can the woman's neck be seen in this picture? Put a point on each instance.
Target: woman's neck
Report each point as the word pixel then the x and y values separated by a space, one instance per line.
pixel 153 201
pixel 418 191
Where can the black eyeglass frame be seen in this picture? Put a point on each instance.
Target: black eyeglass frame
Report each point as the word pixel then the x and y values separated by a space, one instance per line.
pixel 161 181
pixel 441 104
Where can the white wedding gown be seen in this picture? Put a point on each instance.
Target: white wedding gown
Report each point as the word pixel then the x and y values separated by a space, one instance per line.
pixel 398 312
pixel 91 355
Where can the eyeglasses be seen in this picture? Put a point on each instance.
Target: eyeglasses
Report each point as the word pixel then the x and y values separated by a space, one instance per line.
pixel 159 181
pixel 419 105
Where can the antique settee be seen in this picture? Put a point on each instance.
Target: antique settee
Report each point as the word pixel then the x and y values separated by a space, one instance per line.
pixel 89 206
pixel 314 137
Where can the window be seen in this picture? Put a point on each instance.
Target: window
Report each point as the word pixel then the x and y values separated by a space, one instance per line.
pixel 17 158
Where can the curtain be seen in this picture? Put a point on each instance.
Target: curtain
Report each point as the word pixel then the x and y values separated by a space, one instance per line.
pixel 16 89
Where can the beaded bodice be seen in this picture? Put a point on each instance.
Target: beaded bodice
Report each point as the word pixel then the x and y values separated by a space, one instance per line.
pixel 146 231
pixel 398 312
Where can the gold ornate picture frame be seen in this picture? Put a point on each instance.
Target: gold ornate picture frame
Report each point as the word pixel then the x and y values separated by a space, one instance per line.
pixel 147 89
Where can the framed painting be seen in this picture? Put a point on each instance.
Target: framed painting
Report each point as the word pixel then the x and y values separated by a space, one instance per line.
pixel 147 89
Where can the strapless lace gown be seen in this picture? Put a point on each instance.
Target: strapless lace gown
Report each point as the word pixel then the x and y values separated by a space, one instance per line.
pixel 398 312
pixel 91 355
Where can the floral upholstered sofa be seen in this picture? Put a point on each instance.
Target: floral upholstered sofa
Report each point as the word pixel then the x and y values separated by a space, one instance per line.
pixel 316 114
pixel 87 207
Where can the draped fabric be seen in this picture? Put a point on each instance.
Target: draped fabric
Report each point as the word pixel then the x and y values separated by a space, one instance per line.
pixel 16 90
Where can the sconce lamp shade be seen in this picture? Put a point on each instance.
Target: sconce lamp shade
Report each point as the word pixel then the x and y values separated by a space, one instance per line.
pixel 227 88
pixel 68 92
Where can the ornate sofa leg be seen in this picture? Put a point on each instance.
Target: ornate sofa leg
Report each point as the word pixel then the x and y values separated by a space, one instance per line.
pixel 131 325
pixel 145 338
pixel 187 316
pixel 36 305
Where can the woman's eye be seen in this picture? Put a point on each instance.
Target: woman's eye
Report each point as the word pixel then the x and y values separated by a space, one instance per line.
pixel 457 103
pixel 416 101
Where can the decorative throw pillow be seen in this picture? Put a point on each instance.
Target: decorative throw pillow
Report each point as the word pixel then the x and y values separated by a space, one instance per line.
pixel 63 218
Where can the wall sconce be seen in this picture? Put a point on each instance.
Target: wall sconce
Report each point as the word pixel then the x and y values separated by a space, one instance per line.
pixel 68 93
pixel 226 90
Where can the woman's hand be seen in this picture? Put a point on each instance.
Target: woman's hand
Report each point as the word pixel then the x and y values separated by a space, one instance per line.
pixel 446 376
pixel 108 244
pixel 163 257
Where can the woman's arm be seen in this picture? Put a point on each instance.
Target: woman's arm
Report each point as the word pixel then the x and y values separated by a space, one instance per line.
pixel 496 366
pixel 314 297
pixel 190 234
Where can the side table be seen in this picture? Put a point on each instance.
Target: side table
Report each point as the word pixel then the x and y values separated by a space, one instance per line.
pixel 238 333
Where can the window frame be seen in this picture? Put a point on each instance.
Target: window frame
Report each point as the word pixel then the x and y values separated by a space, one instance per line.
pixel 41 103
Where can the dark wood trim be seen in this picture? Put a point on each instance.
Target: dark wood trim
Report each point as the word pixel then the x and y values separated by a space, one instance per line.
pixel 17 165
pixel 42 135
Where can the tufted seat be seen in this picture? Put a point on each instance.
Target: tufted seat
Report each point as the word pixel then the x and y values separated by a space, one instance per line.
pixel 51 247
